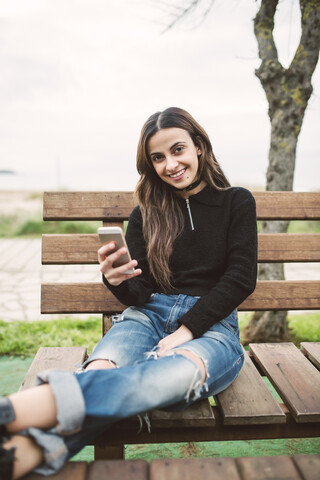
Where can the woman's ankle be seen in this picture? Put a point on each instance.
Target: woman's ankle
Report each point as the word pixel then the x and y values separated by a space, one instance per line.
pixel 35 407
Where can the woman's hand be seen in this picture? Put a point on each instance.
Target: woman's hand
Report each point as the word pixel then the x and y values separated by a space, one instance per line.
pixel 180 336
pixel 115 276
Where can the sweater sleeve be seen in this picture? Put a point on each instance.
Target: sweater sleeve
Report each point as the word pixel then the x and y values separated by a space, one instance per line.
pixel 239 279
pixel 135 291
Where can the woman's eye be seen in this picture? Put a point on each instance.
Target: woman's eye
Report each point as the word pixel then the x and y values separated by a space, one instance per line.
pixel 156 158
pixel 178 149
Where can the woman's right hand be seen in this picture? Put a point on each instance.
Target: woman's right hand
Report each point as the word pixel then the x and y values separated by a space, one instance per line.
pixel 117 275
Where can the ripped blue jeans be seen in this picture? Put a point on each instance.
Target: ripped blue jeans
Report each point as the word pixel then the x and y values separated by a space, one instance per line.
pixel 90 401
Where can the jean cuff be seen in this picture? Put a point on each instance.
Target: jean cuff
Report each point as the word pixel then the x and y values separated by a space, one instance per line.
pixel 69 399
pixel 55 451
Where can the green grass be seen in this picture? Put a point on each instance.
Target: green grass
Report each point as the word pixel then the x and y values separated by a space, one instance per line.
pixel 301 226
pixel 21 338
pixel 17 226
pixel 304 226
pixel 304 328
pixel 252 448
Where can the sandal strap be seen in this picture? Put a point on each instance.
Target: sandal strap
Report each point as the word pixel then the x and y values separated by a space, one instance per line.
pixel 6 463
pixel 6 411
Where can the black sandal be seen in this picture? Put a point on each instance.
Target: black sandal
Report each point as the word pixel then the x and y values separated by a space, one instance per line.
pixel 6 456
pixel 6 462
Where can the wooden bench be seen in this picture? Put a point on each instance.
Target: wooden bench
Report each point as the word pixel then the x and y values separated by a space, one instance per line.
pixel 296 467
pixel 247 409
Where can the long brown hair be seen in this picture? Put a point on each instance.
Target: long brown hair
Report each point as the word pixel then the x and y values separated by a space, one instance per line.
pixel 162 217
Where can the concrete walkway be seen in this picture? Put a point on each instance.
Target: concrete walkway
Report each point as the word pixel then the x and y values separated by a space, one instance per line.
pixel 21 275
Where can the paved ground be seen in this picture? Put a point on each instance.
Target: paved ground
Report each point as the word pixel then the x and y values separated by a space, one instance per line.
pixel 21 274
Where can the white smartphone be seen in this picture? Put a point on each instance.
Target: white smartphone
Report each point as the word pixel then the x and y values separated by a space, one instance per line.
pixel 115 234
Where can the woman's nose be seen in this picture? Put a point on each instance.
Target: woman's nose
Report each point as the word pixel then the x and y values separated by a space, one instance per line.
pixel 171 164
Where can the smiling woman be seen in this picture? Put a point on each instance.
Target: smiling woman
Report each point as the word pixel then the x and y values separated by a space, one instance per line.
pixel 174 159
pixel 193 242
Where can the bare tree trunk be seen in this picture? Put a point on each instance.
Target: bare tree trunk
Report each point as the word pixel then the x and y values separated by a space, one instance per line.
pixel 288 92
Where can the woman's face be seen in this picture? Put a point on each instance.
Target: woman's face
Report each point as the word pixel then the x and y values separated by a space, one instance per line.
pixel 174 156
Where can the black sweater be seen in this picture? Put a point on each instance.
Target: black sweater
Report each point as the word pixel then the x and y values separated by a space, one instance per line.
pixel 216 261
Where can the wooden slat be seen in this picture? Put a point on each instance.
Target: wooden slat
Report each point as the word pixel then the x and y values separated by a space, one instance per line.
pixel 308 466
pixel 118 470
pixel 66 358
pixel 287 205
pixel 82 249
pixel 87 205
pixel 194 469
pixel 267 468
pixel 297 467
pixel 312 351
pixel 71 471
pixel 196 415
pixel 296 380
pixel 95 297
pixel 70 249
pixel 78 298
pixel 289 247
pixel 248 400
pixel 284 295
pixel 118 205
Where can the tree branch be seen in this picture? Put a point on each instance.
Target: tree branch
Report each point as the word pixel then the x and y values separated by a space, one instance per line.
pixel 263 29
pixel 193 4
pixel 307 54
pixel 270 72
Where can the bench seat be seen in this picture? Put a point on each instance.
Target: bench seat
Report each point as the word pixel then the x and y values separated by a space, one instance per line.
pixel 247 410
pixel 295 467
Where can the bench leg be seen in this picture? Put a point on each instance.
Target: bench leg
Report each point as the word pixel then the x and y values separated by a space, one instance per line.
pixel 115 452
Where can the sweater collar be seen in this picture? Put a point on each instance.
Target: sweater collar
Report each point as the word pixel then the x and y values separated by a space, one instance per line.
pixel 208 196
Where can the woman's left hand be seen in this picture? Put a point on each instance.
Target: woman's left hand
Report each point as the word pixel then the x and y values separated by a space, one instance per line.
pixel 180 336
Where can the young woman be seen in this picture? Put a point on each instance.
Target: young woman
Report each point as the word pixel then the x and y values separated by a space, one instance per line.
pixel 194 244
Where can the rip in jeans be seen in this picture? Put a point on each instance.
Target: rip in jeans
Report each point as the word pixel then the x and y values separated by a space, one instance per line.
pixel 196 386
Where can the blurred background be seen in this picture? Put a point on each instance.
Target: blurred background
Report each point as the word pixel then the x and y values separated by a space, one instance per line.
pixel 79 78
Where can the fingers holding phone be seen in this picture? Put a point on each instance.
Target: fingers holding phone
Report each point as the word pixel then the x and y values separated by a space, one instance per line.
pixel 114 257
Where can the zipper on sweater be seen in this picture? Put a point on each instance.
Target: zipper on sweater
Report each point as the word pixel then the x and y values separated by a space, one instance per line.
pixel 190 215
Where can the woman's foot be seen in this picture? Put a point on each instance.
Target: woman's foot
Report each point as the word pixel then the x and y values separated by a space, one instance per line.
pixel 34 407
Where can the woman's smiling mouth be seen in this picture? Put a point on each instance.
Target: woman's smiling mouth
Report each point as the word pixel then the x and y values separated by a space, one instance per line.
pixel 178 174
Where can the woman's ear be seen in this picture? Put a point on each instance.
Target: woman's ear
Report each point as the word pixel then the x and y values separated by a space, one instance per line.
pixel 198 145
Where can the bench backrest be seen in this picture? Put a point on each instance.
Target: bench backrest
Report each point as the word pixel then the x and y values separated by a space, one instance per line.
pixel 113 208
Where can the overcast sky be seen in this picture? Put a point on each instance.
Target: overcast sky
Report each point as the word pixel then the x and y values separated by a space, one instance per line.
pixel 80 77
